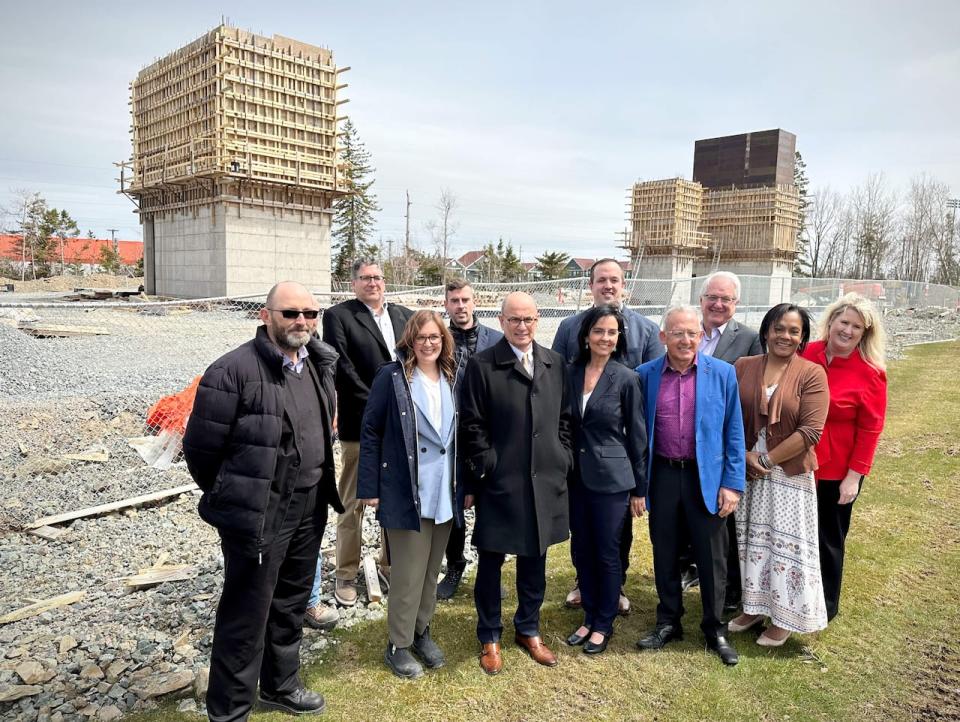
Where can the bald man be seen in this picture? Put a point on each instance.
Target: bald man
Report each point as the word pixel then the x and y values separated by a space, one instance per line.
pixel 259 446
pixel 515 440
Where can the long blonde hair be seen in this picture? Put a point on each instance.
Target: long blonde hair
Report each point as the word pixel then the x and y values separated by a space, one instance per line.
pixel 417 321
pixel 874 341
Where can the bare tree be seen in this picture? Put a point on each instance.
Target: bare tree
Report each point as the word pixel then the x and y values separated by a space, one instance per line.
pixel 27 211
pixel 924 228
pixel 874 208
pixel 443 228
pixel 825 229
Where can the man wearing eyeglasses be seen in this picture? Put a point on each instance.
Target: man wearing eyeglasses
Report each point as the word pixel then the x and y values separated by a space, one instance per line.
pixel 697 474
pixel 515 434
pixel 364 331
pixel 642 339
pixel 259 444
pixel 727 340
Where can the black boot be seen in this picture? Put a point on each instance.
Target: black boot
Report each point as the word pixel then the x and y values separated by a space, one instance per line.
pixel 427 650
pixel 401 662
pixel 451 580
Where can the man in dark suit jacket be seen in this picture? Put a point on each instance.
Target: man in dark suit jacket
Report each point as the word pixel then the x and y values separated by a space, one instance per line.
pixel 469 337
pixel 727 340
pixel 364 331
pixel 515 427
pixel 642 345
pixel 697 475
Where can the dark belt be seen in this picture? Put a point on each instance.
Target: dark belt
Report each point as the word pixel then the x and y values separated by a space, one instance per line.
pixel 676 463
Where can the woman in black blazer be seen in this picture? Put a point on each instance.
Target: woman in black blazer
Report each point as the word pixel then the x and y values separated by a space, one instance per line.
pixel 610 453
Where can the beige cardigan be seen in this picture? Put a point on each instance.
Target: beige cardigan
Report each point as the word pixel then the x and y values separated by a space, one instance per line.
pixel 799 404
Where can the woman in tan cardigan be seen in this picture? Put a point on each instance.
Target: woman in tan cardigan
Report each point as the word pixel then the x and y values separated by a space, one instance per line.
pixel 784 400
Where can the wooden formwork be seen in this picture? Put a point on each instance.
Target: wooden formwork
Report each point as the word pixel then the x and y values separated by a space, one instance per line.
pixel 758 222
pixel 239 106
pixel 664 216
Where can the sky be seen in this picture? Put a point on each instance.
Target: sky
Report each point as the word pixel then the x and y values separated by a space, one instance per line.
pixel 536 116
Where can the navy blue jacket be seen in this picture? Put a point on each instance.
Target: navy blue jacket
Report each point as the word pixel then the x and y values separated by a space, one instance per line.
pixel 642 339
pixel 390 452
pixel 610 435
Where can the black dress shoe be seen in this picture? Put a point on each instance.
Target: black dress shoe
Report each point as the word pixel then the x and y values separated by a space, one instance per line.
pixel 659 637
pixel 724 650
pixel 690 578
pixel 575 640
pixel 451 581
pixel 731 603
pixel 599 648
pixel 301 701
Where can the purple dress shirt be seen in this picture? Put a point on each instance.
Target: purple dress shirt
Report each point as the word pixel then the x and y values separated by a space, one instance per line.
pixel 674 434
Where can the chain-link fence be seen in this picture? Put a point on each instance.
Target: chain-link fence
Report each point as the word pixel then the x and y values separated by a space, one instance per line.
pixel 89 410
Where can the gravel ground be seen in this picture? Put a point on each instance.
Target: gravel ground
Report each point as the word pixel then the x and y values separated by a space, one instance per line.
pixel 116 651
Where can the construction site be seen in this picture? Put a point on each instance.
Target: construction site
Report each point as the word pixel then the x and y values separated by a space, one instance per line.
pixel 234 165
pixel 740 213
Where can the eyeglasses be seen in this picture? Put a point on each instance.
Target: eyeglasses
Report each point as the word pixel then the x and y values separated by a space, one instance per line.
pixel 515 321
pixel 691 335
pixel 368 279
pixel 604 332
pixel 431 339
pixel 292 313
pixel 725 300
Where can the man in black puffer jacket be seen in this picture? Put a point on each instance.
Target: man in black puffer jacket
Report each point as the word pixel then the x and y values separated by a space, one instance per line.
pixel 259 443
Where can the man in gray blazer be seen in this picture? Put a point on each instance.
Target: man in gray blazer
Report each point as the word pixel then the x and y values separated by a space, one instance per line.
pixel 642 345
pixel 727 340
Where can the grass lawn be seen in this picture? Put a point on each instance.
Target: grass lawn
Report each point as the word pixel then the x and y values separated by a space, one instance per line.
pixel 892 653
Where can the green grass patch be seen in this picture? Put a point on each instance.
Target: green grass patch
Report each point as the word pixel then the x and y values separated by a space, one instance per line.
pixel 892 653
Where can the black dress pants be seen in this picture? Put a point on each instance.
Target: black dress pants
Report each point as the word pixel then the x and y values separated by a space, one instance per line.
pixel 833 519
pixel 596 521
pixel 678 513
pixel 455 547
pixel 531 587
pixel 626 543
pixel 259 621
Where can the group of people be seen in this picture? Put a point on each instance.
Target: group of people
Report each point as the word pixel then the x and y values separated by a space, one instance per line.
pixel 745 449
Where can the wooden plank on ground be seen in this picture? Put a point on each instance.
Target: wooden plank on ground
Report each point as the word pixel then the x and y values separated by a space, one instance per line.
pixel 32 610
pixel 49 533
pixel 373 581
pixel 112 506
pixel 46 330
pixel 151 576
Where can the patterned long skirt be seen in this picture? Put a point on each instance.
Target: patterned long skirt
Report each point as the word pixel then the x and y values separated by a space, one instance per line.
pixel 779 552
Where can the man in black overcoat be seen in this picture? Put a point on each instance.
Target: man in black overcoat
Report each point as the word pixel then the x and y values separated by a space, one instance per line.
pixel 515 430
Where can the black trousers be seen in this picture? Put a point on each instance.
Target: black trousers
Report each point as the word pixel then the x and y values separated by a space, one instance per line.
pixel 834 523
pixel 596 521
pixel 734 587
pixel 531 587
pixel 259 624
pixel 677 513
pixel 626 543
pixel 455 546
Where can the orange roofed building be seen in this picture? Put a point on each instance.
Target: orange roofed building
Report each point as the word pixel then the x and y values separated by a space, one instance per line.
pixel 83 252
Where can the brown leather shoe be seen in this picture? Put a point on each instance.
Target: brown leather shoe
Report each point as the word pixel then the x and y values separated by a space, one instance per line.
pixel 537 649
pixel 491 661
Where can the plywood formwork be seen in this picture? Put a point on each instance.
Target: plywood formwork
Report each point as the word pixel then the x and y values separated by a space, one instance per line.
pixel 664 217
pixel 752 223
pixel 237 105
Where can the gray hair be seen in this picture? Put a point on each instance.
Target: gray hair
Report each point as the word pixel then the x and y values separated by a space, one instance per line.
pixel 724 275
pixel 674 310
pixel 360 263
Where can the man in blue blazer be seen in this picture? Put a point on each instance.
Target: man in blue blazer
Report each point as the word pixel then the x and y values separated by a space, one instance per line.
pixel 642 344
pixel 697 474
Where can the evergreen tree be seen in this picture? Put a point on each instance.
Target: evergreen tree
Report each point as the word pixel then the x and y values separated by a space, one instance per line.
pixel 60 226
pixel 552 263
pixel 511 267
pixel 353 220
pixel 801 262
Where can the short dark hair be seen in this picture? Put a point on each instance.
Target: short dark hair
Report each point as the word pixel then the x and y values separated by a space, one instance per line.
pixel 360 263
pixel 455 285
pixel 601 262
pixel 778 312
pixel 590 319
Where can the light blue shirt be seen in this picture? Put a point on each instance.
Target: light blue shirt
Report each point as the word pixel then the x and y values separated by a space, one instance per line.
pixel 287 363
pixel 710 341
pixel 386 329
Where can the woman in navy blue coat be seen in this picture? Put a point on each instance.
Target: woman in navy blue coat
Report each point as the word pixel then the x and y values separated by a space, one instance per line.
pixel 610 453
pixel 407 471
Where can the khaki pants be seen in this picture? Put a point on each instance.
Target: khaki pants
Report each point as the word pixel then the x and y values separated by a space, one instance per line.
pixel 416 557
pixel 350 523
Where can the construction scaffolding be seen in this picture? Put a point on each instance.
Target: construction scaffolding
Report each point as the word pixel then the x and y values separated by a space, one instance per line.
pixel 759 223
pixel 235 121
pixel 664 217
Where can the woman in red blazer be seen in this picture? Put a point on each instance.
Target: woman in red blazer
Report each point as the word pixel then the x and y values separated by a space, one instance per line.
pixel 851 349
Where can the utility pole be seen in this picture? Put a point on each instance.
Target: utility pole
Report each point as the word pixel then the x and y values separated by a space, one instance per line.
pixel 406 243
pixel 113 238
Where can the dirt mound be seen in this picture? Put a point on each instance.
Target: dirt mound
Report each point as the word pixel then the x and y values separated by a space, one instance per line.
pixel 70 282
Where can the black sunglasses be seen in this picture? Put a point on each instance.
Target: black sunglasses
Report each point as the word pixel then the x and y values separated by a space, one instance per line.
pixel 292 313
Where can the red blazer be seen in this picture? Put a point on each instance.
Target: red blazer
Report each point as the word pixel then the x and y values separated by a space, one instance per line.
pixel 858 405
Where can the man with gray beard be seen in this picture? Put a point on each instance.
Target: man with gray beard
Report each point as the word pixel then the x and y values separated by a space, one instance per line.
pixel 259 444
